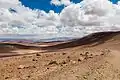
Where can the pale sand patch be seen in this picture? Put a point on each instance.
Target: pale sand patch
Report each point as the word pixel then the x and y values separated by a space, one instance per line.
pixel 24 51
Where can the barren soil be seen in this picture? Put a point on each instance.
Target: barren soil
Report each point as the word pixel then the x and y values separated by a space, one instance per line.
pixel 94 57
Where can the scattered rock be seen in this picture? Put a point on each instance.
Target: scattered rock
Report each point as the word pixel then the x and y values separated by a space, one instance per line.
pixel 106 51
pixel 81 54
pixel 63 62
pixel 24 67
pixel 79 60
pixel 64 53
pixel 91 56
pixel 102 54
pixel 85 77
pixel 86 53
pixel 34 60
pixel 48 68
pixel 86 58
pixel 21 67
pixel 53 62
pixel 28 76
pixel 77 77
pixel 6 77
pixel 68 57
pixel 74 62
pixel 96 55
pixel 33 66
pixel 37 54
pixel 24 56
pixel 47 55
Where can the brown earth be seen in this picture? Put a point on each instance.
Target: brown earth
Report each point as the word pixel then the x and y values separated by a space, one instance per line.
pixel 94 57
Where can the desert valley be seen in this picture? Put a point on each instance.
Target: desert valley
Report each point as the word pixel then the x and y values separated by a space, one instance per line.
pixel 93 57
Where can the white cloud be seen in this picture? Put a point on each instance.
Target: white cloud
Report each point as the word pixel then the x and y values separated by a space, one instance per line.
pixel 56 2
pixel 61 2
pixel 66 2
pixel 75 20
pixel 118 2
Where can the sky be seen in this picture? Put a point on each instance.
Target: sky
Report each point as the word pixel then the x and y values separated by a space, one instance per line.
pixel 44 5
pixel 47 6
pixel 58 18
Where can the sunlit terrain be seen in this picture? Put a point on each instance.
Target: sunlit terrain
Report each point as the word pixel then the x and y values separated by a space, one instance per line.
pixel 59 40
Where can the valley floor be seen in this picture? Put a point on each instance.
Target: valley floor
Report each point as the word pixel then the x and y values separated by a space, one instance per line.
pixel 86 62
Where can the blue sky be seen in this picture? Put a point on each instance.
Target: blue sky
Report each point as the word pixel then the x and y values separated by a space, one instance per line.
pixel 46 6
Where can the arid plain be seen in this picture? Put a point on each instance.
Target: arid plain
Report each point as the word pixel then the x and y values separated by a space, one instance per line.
pixel 94 57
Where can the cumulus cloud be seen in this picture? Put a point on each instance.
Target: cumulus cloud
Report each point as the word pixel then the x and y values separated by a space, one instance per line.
pixel 75 20
pixel 61 2
pixel 56 2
